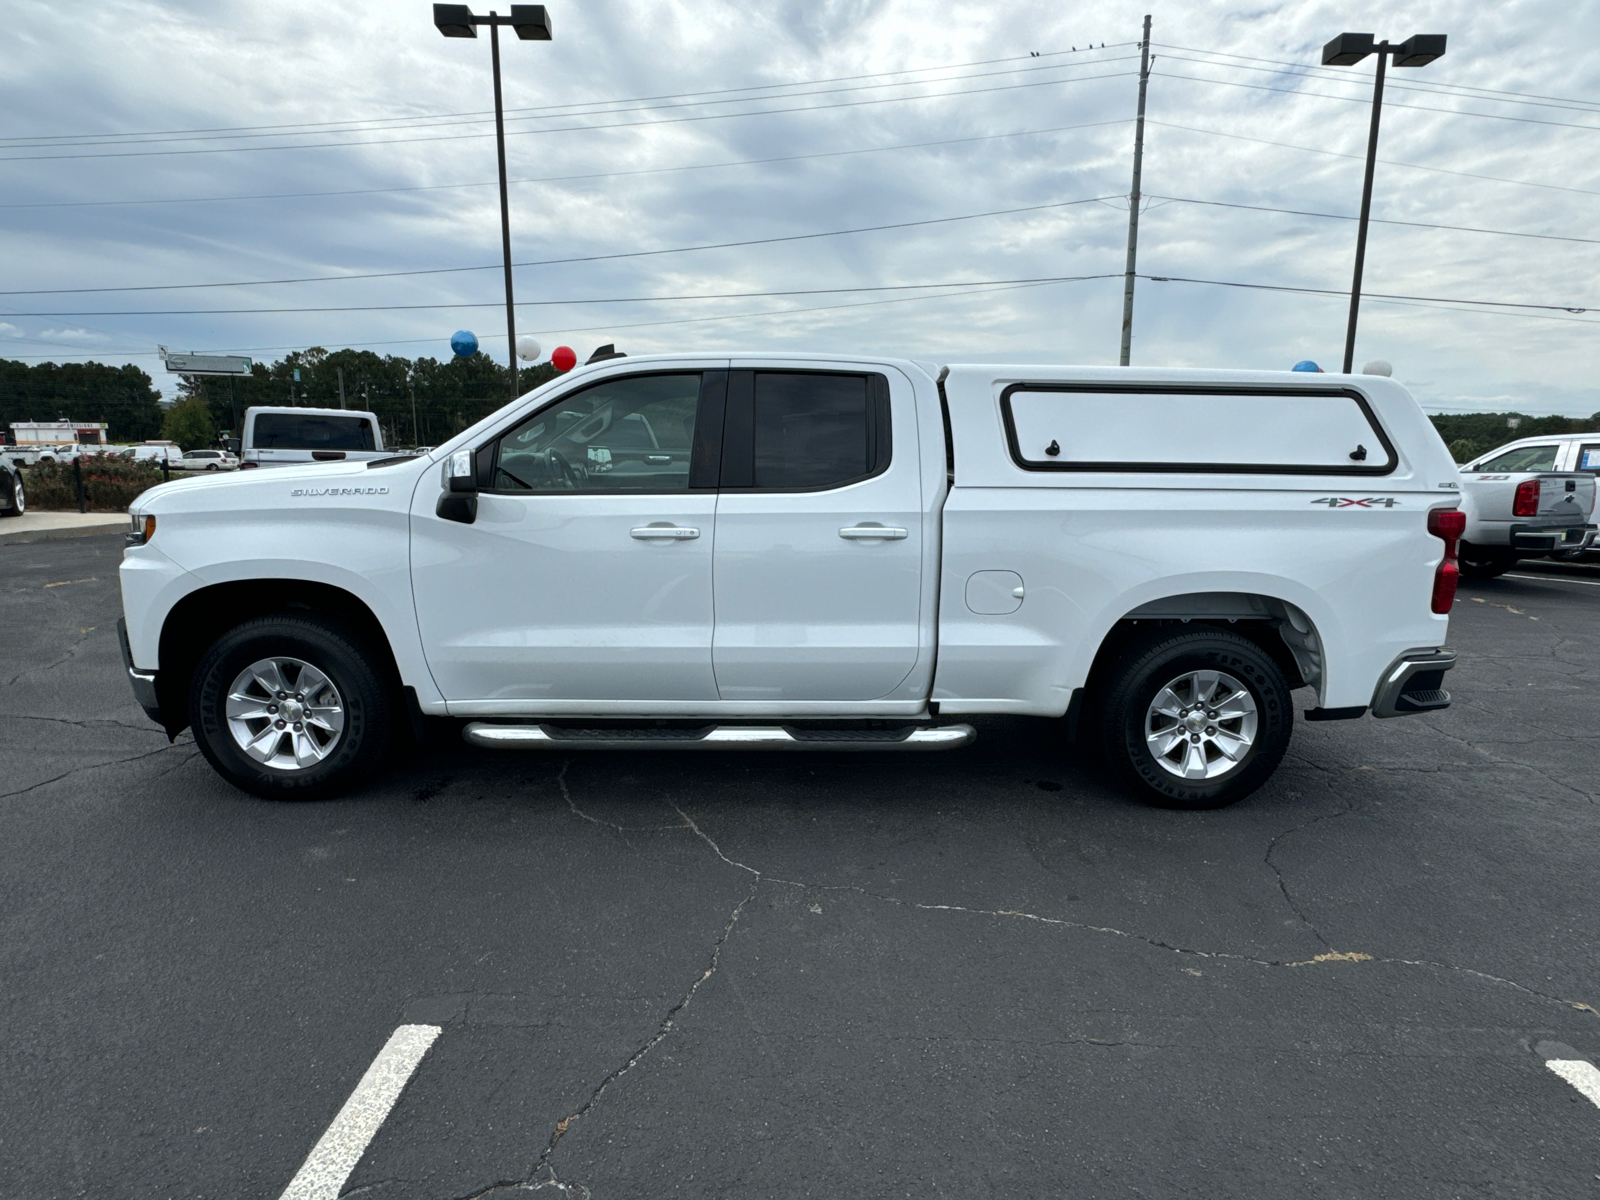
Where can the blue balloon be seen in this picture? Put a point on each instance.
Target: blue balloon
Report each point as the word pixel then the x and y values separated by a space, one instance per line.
pixel 465 343
pixel 1305 364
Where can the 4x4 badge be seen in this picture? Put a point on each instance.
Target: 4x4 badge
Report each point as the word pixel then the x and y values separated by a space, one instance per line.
pixel 1352 502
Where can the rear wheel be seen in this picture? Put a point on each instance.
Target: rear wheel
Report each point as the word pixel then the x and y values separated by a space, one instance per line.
pixel 290 707
pixel 1484 562
pixel 1194 719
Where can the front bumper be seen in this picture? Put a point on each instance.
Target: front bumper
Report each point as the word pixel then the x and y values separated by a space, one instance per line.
pixel 1552 538
pixel 143 682
pixel 1414 683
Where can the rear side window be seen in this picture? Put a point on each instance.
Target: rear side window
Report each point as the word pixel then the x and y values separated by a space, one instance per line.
pixel 1589 457
pixel 804 430
pixel 1523 458
pixel 1101 427
pixel 296 431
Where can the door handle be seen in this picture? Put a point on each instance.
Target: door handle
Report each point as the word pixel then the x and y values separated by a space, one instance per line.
pixel 859 533
pixel 664 533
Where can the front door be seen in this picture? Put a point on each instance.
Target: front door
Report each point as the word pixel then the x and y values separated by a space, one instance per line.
pixel 587 574
pixel 819 538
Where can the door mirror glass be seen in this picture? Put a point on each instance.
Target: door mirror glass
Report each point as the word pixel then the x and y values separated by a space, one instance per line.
pixel 460 474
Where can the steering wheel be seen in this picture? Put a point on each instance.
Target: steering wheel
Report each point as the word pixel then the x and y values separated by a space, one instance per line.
pixel 562 471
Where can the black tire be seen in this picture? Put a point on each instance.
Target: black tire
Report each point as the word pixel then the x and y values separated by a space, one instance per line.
pixel 1163 657
pixel 17 501
pixel 1484 562
pixel 367 701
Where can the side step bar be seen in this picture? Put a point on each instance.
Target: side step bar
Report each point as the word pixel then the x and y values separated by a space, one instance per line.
pixel 717 737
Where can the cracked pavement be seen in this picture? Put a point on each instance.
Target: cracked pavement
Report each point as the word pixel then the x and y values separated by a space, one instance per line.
pixel 978 973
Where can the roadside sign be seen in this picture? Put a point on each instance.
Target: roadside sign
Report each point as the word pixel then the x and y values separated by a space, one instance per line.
pixel 205 364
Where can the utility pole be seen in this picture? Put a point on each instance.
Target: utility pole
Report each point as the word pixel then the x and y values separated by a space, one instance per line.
pixel 1133 197
pixel 341 385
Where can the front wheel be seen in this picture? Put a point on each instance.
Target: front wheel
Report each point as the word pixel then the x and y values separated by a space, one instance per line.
pixel 19 496
pixel 1194 719
pixel 290 707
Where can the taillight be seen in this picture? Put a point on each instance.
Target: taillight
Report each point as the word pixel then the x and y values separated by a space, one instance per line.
pixel 1526 502
pixel 1448 524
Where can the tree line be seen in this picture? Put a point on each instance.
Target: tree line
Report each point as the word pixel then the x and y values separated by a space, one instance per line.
pixel 419 402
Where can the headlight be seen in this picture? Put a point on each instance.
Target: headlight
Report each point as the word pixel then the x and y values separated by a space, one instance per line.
pixel 144 528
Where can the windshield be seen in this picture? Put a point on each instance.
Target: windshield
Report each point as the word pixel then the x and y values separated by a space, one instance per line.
pixel 304 431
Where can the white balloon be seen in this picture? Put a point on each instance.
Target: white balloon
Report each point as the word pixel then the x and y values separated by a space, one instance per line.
pixel 1377 367
pixel 528 347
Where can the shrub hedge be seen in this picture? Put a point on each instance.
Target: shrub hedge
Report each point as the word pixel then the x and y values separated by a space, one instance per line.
pixel 109 484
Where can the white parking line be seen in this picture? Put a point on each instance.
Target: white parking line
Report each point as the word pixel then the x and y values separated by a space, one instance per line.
pixel 335 1155
pixel 1584 1076
pixel 1555 579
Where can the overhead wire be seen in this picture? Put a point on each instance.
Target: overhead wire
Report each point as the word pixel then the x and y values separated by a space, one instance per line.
pixel 555 108
pixel 585 258
pixel 1011 87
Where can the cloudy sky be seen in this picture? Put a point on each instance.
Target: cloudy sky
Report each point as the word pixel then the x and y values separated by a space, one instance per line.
pixel 227 142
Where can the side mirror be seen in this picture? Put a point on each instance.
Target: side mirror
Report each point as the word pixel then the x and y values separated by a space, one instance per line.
pixel 460 499
pixel 232 446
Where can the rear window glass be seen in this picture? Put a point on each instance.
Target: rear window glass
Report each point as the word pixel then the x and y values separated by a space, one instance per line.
pixel 1061 428
pixel 811 430
pixel 1523 458
pixel 296 431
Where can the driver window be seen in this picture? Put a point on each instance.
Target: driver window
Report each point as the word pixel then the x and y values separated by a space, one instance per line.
pixel 1524 458
pixel 624 435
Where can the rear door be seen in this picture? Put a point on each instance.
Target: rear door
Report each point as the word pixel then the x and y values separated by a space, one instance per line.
pixel 818 558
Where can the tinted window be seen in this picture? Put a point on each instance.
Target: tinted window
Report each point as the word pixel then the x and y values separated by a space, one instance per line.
pixel 1524 458
pixel 296 431
pixel 625 435
pixel 812 430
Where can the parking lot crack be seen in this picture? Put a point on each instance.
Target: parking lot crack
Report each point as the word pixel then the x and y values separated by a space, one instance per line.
pixel 1283 884
pixel 115 762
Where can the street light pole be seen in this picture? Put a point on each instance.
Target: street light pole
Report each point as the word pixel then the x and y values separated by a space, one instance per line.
pixel 532 24
pixel 1346 50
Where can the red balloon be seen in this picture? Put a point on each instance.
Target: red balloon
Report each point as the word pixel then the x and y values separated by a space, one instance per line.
pixel 563 358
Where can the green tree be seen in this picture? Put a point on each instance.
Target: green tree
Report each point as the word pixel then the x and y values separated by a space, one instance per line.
pixel 189 423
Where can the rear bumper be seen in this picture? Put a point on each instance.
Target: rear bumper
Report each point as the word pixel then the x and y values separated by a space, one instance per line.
pixel 1549 538
pixel 1414 683
pixel 143 682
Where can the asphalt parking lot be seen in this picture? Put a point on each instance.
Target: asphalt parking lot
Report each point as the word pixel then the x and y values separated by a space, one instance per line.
pixel 973 974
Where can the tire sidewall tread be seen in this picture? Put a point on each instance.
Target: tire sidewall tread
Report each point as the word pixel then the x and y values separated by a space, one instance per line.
pixel 1152 661
pixel 333 648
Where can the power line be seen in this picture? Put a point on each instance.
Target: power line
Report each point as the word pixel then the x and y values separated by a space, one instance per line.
pixel 1011 87
pixel 583 112
pixel 1430 85
pixel 1273 287
pixel 548 262
pixel 1296 212
pixel 555 108
pixel 435 187
pixel 1388 162
pixel 1451 112
pixel 1356 80
pixel 217 312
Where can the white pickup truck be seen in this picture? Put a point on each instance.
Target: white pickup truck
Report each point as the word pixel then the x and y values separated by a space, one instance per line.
pixel 821 553
pixel 283 437
pixel 1531 499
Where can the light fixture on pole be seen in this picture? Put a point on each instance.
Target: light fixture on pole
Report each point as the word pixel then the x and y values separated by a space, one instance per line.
pixel 1345 51
pixel 532 24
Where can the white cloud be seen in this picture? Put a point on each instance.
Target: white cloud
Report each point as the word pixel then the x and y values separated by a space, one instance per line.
pixel 290 61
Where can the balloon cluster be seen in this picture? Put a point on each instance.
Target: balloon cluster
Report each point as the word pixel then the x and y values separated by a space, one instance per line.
pixel 464 343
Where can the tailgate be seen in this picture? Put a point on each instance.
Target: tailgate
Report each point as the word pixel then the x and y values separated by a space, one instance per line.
pixel 1567 495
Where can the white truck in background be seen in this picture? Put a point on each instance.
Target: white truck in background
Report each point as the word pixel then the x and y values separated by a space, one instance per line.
pixel 809 552
pixel 1533 498
pixel 281 437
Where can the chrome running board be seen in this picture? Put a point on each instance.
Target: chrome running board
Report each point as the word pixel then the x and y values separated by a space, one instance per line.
pixel 717 737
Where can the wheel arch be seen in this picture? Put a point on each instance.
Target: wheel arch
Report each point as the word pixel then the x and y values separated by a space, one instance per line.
pixel 202 616
pixel 1283 630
